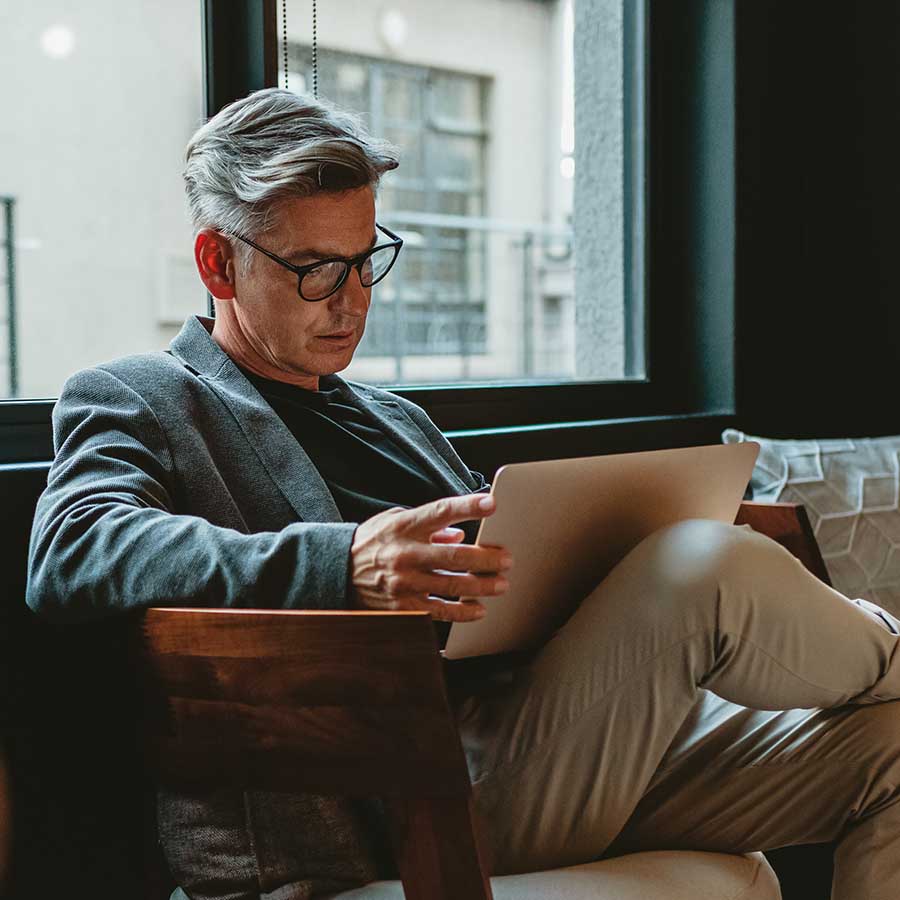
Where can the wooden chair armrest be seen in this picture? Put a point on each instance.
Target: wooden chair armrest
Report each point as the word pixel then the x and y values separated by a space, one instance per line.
pixel 788 524
pixel 297 700
pixel 338 702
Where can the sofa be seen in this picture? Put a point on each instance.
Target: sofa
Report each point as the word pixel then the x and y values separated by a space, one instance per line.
pixel 83 824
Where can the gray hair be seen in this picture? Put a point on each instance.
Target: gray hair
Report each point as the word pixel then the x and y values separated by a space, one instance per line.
pixel 274 145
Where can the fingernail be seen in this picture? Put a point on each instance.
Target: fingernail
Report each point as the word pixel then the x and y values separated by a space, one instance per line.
pixel 500 585
pixel 486 502
pixel 506 562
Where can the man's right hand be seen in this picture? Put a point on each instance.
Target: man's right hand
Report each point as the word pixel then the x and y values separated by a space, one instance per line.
pixel 401 557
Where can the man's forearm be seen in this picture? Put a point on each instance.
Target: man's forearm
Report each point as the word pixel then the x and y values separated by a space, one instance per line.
pixel 101 558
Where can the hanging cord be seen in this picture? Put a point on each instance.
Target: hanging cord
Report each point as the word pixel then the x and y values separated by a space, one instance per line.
pixel 315 54
pixel 284 44
pixel 315 46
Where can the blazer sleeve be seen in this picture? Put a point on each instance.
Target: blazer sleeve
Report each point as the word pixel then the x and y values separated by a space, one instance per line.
pixel 106 540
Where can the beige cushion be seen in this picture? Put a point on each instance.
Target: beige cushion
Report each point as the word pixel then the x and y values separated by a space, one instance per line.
pixel 654 875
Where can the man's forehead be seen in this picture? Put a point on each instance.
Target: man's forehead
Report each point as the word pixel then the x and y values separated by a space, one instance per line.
pixel 326 224
pixel 325 248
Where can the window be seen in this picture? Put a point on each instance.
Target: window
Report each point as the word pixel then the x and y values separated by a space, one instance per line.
pixel 99 100
pixel 75 306
pixel 480 100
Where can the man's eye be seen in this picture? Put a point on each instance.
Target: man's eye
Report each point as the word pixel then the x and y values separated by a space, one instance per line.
pixel 327 270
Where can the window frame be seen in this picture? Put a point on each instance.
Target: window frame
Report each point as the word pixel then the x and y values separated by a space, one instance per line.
pixel 688 253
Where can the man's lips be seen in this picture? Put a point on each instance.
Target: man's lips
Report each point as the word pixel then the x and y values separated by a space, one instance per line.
pixel 337 336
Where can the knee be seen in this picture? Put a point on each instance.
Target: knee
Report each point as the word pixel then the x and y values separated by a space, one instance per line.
pixel 697 555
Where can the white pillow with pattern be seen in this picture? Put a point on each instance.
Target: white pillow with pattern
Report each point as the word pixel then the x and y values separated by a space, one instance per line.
pixel 851 490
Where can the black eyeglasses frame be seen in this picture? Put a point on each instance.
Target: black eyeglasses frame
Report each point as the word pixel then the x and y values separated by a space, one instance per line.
pixel 351 262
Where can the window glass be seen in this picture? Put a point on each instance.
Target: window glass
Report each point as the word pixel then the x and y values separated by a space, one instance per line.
pixel 457 99
pixel 413 173
pixel 98 100
pixel 485 287
pixel 402 98
pixel 458 164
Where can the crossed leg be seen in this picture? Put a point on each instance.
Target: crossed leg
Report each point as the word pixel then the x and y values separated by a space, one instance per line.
pixel 739 779
pixel 651 717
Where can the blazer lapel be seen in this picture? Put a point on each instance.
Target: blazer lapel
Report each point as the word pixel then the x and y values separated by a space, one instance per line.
pixel 394 421
pixel 269 438
pixel 278 451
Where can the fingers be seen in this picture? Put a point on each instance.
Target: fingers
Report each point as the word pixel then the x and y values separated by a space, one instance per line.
pixel 455 584
pixel 402 557
pixel 464 558
pixel 438 514
pixel 437 607
pixel 450 610
pixel 416 568
pixel 448 536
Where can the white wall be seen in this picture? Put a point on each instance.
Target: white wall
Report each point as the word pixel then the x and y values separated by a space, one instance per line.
pixel 91 147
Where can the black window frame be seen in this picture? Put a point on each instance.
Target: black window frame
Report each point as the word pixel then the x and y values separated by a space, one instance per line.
pixel 689 274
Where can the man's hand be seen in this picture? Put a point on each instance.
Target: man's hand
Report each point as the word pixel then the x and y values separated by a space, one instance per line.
pixel 400 557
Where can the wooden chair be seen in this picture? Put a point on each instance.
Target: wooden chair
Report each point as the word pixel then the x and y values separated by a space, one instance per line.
pixel 788 524
pixel 343 703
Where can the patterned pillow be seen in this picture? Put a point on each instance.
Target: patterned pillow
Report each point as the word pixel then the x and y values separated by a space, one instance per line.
pixel 850 490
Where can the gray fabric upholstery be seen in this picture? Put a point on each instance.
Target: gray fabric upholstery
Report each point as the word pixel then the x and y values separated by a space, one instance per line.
pixel 850 488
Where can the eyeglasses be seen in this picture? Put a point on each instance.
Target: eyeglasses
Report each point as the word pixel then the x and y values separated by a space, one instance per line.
pixel 321 279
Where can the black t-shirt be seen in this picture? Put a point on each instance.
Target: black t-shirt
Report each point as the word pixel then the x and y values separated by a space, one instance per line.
pixel 365 470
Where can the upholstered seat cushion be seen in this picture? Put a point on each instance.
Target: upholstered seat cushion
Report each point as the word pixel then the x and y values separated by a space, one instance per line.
pixel 655 875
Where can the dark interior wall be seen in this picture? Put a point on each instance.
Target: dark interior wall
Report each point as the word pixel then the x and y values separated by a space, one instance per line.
pixel 691 148
pixel 818 195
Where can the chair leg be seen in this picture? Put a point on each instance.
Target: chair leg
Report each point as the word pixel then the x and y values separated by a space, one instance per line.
pixel 437 847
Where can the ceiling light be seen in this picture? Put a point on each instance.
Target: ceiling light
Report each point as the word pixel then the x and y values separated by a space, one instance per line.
pixel 58 41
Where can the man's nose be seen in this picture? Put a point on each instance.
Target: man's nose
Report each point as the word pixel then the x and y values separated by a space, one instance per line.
pixel 352 298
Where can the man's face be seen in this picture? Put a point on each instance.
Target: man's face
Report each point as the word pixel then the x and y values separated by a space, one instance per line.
pixel 291 334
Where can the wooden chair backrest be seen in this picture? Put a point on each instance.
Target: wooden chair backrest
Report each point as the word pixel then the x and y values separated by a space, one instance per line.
pixel 788 524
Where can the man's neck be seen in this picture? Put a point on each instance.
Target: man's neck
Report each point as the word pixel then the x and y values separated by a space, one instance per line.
pixel 229 336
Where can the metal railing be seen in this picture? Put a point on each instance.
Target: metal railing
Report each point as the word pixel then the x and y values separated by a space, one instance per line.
pixel 8 284
pixel 461 276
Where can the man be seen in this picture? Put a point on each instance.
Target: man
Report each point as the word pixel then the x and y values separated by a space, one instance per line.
pixel 238 469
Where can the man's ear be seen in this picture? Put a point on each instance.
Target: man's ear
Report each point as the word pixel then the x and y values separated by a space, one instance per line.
pixel 214 256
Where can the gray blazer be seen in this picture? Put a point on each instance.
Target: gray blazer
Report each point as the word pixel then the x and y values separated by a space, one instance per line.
pixel 175 483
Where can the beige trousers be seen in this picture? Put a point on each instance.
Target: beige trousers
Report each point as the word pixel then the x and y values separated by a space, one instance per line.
pixel 711 694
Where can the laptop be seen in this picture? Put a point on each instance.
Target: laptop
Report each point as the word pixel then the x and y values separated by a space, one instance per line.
pixel 567 522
